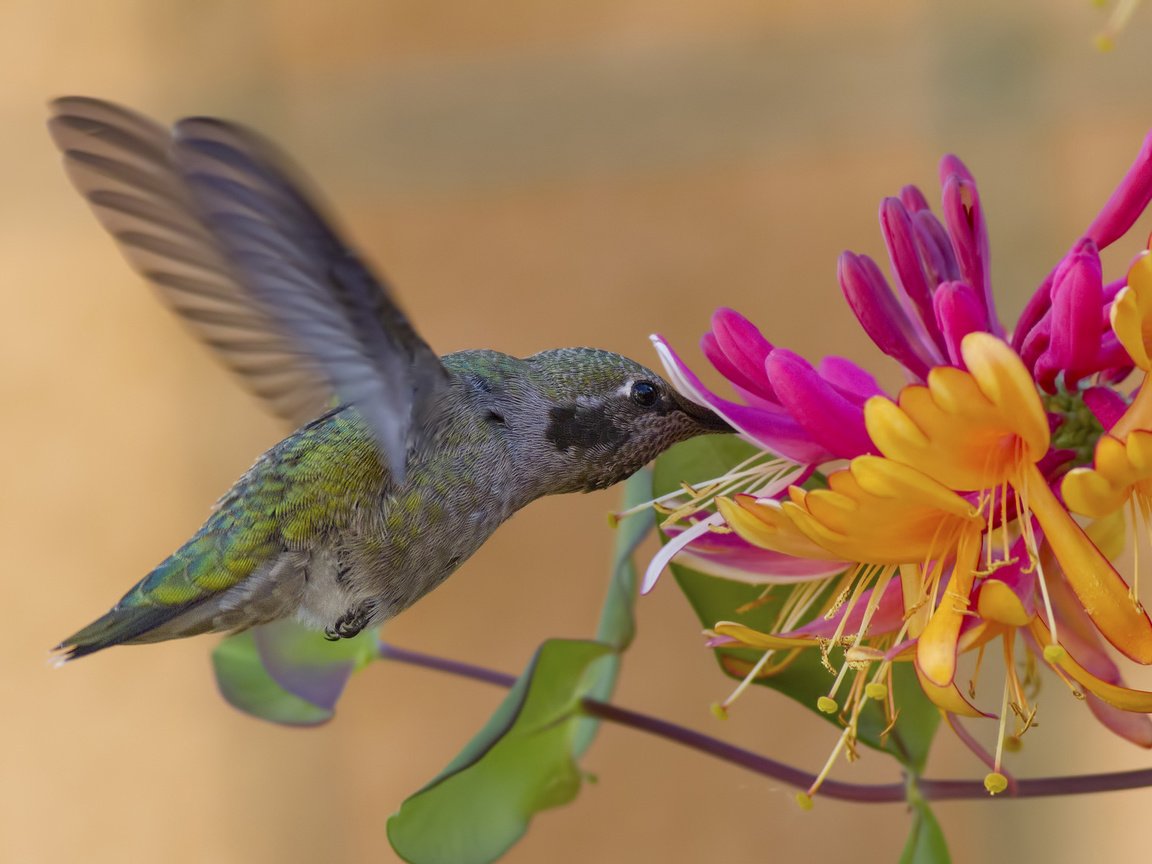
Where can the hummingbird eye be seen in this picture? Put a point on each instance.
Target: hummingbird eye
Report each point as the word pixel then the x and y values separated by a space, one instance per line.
pixel 644 394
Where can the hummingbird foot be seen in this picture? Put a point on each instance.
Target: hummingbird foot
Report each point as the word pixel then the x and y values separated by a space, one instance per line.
pixel 352 622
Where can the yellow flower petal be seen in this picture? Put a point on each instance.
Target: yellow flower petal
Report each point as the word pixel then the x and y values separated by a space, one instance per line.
pixel 1102 592
pixel 1008 385
pixel 749 638
pixel 967 430
pixel 882 512
pixel 1118 468
pixel 948 698
pixel 937 647
pixel 763 524
pixel 1000 603
pixel 1124 698
pixel 1109 533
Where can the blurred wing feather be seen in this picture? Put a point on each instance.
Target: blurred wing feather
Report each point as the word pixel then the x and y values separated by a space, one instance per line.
pixel 121 163
pixel 211 215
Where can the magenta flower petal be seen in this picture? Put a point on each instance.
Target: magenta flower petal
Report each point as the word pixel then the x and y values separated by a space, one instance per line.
pixel 959 311
pixel 965 220
pixel 904 255
pixel 758 388
pixel 1077 298
pixel 936 248
pixel 833 421
pixel 1136 728
pixel 1034 311
pixel 913 199
pixel 1129 200
pixel 1106 405
pixel 773 430
pixel 1113 359
pixel 882 318
pixel 850 380
pixel 737 349
pixel 1111 290
pixel 1036 342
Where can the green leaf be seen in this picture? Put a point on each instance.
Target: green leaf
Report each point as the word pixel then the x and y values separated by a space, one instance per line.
pixel 806 679
pixel 926 844
pixel 697 460
pixel 286 673
pixel 246 684
pixel 520 763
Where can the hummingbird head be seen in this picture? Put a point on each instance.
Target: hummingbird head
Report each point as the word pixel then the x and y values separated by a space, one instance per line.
pixel 593 418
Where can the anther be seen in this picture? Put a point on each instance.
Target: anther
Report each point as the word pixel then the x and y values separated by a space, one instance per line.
pixel 1054 653
pixel 995 783
pixel 876 690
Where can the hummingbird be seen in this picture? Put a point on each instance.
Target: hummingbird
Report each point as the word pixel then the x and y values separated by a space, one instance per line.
pixel 403 462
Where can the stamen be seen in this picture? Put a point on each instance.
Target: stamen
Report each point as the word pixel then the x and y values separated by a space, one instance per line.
pixel 706 490
pixel 997 776
pixel 841 743
pixel 1020 708
pixel 1052 652
pixel 761 599
pixel 747 680
pixel 976 672
pixel 827 704
pixel 1106 39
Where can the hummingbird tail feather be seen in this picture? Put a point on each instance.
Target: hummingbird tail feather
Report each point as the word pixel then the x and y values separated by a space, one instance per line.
pixel 169 604
pixel 119 626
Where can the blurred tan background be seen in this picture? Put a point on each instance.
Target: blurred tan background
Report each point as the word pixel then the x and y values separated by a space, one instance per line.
pixel 530 174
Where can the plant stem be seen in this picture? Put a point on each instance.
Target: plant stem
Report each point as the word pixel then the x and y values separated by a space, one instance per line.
pixel 936 790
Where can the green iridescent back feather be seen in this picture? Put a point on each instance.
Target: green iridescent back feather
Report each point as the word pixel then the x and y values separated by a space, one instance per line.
pixel 309 484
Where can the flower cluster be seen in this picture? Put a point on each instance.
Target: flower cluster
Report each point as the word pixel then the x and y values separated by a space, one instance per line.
pixel 986 502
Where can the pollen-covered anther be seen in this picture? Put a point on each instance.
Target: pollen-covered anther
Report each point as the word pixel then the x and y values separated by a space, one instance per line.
pixel 827 705
pixel 995 783
pixel 834 610
pixel 825 646
pixel 1054 653
pixel 877 691
pixel 863 654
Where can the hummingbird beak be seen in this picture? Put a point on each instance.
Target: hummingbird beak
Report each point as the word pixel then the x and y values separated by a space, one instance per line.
pixel 706 418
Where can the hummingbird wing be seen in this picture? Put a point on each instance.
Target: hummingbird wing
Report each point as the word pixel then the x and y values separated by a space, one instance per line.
pixel 210 214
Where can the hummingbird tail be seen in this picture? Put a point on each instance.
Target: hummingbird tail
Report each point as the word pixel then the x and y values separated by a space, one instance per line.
pixel 179 599
pixel 119 626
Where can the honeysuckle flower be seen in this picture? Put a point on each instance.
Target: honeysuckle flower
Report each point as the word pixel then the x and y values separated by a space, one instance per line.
pixel 982 503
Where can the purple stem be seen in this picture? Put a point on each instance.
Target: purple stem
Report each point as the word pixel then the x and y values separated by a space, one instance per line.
pixel 935 790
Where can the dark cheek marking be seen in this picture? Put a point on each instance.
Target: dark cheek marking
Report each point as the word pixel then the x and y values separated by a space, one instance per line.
pixel 572 426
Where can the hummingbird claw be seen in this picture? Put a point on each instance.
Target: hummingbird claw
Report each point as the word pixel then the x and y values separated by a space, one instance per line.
pixel 352 622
